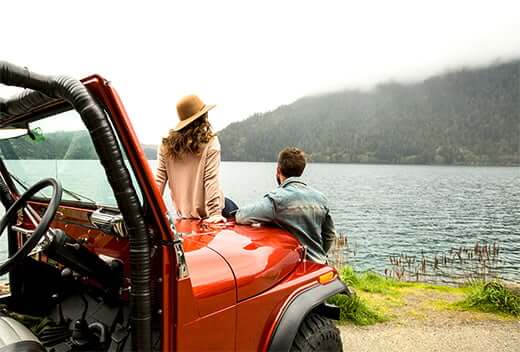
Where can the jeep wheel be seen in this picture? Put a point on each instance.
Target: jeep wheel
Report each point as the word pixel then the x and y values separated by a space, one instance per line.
pixel 317 334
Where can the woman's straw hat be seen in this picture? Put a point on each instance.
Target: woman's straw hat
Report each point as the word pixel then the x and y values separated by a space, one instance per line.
pixel 189 109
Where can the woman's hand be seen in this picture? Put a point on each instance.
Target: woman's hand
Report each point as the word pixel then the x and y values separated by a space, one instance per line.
pixel 215 219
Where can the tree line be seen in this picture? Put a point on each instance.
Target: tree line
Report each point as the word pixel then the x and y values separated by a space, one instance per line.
pixel 66 145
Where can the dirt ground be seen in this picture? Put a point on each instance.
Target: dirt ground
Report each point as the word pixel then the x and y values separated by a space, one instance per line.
pixel 481 336
pixel 425 321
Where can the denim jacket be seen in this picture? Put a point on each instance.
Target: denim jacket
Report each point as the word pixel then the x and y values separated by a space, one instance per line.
pixel 299 209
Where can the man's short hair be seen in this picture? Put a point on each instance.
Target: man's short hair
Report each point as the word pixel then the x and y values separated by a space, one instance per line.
pixel 291 162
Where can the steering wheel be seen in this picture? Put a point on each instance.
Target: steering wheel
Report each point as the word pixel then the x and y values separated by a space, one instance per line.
pixel 41 224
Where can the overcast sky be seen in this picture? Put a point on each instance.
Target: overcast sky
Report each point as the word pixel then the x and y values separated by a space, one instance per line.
pixel 250 56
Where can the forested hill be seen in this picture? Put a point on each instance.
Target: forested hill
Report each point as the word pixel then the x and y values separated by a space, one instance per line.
pixel 67 145
pixel 470 116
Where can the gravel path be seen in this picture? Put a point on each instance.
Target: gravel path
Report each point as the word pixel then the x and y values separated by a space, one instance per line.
pixel 419 324
pixel 472 337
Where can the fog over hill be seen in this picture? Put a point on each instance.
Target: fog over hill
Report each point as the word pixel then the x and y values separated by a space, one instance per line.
pixel 467 116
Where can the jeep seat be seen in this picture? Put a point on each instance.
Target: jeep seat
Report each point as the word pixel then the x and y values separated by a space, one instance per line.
pixel 16 337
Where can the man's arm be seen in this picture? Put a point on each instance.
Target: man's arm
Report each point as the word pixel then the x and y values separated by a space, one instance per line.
pixel 328 232
pixel 261 211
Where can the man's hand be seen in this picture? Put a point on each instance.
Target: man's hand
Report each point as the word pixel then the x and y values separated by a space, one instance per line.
pixel 215 219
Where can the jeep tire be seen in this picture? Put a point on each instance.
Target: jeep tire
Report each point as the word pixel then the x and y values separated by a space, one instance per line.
pixel 317 333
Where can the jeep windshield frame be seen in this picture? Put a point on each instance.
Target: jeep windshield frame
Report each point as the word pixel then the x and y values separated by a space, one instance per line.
pixel 56 155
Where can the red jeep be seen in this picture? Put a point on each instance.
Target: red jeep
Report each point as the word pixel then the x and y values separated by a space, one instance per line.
pixel 96 263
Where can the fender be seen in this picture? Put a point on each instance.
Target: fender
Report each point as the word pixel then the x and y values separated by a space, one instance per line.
pixel 297 310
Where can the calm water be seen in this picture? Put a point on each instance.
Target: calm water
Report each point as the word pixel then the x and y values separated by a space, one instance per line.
pixel 392 209
pixel 383 209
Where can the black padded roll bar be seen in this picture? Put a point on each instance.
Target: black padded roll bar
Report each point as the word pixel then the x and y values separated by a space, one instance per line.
pixel 45 89
pixel 5 196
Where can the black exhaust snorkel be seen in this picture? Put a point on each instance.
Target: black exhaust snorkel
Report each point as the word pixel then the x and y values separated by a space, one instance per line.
pixel 48 89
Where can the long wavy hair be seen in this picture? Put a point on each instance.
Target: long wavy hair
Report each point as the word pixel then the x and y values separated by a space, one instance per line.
pixel 190 139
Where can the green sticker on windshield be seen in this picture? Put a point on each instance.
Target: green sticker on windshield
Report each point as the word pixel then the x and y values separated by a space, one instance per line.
pixel 36 134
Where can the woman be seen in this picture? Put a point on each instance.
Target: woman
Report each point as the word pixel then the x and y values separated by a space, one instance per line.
pixel 189 160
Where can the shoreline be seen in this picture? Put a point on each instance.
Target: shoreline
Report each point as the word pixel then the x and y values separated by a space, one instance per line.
pixel 379 300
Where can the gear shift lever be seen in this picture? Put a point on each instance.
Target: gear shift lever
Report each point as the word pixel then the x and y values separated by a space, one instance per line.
pixel 81 334
pixel 60 320
pixel 80 331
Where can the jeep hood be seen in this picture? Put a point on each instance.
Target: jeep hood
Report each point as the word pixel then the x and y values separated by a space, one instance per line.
pixel 258 257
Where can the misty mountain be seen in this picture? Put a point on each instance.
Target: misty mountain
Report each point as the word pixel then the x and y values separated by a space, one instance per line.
pixel 468 116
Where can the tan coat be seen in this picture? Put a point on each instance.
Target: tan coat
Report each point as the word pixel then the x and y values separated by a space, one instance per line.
pixel 193 181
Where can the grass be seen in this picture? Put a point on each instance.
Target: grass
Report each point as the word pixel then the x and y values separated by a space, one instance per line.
pixel 355 309
pixel 371 282
pixel 380 299
pixel 375 283
pixel 363 310
pixel 491 297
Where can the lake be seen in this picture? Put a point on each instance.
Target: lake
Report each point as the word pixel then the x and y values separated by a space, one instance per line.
pixel 388 210
pixel 384 210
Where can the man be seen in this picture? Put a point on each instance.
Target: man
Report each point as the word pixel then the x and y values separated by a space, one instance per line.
pixel 295 207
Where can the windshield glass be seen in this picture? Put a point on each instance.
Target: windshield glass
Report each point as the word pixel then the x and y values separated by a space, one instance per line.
pixel 60 148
